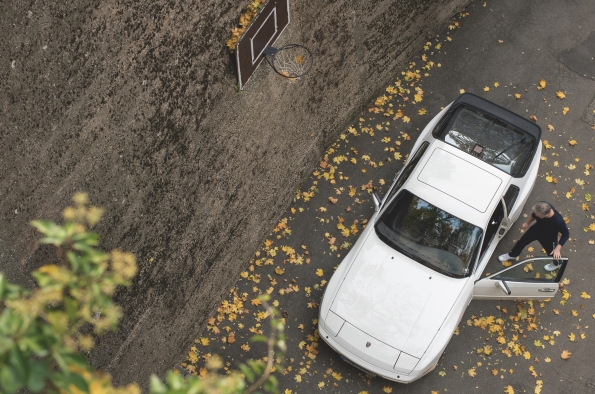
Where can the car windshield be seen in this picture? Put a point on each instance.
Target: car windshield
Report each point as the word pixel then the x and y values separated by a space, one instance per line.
pixel 489 138
pixel 429 235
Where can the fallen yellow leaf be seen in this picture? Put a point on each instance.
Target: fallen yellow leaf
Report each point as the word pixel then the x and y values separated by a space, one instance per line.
pixel 560 95
pixel 565 110
pixel 541 84
pixel 565 355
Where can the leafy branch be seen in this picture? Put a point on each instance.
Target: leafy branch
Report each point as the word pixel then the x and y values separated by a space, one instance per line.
pixel 42 331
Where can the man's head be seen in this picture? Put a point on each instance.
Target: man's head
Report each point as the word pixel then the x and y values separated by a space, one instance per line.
pixel 542 210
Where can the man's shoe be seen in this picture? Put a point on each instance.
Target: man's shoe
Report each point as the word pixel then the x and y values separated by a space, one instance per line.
pixel 551 267
pixel 505 257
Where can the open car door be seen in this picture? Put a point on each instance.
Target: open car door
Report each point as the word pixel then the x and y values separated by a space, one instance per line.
pixel 526 279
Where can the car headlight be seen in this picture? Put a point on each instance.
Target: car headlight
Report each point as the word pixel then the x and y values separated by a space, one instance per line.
pixel 405 363
pixel 333 323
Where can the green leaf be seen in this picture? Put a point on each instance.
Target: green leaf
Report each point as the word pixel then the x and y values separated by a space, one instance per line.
pixel 57 241
pixel 259 338
pixel 271 385
pixel 62 363
pixel 74 260
pixel 79 382
pixel 34 343
pixel 247 372
pixel 88 238
pixel 75 359
pixel 587 197
pixel 175 381
pixel 257 366
pixel 83 247
pixel 37 378
pixel 59 321
pixel 3 284
pixel 18 361
pixel 72 307
pixel 9 380
pixel 45 226
pixel 157 386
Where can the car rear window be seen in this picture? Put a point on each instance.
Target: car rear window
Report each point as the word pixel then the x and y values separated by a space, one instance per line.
pixel 489 138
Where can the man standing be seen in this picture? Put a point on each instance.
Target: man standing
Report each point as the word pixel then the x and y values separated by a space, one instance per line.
pixel 548 224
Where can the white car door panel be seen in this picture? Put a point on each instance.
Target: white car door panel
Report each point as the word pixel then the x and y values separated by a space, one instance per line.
pixel 526 279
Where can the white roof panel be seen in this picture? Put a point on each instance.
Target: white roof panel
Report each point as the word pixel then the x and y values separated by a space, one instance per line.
pixel 460 179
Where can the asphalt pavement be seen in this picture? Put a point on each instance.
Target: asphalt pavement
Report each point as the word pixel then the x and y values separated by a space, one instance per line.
pixel 533 57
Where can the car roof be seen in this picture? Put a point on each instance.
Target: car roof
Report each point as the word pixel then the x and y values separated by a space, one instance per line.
pixel 458 183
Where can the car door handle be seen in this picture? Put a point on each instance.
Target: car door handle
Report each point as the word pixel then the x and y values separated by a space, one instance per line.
pixel 547 290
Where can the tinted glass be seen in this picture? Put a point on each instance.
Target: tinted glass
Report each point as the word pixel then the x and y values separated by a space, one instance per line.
pixel 501 144
pixel 529 271
pixel 429 235
pixel 510 197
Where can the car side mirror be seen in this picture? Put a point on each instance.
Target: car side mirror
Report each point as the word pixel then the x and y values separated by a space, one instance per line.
pixel 377 201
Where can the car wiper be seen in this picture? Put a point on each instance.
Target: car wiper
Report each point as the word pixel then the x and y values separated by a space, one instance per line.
pixel 408 254
pixel 508 147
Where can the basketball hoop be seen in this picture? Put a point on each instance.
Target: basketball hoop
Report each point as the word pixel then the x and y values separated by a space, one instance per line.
pixel 291 61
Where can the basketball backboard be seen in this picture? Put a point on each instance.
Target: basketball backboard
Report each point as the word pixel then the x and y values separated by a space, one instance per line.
pixel 264 30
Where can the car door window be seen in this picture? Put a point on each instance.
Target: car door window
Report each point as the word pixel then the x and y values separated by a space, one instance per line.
pixel 525 280
pixel 532 270
pixel 492 227
pixel 407 171
pixel 510 197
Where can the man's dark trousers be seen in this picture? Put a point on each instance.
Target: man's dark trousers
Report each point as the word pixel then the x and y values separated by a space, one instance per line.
pixel 529 236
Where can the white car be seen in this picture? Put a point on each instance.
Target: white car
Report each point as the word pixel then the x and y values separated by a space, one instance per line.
pixel 394 302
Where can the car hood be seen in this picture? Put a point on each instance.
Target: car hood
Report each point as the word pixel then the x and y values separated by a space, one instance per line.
pixel 395 299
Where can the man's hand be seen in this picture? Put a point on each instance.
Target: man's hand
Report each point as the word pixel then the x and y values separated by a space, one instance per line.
pixel 525 226
pixel 556 252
